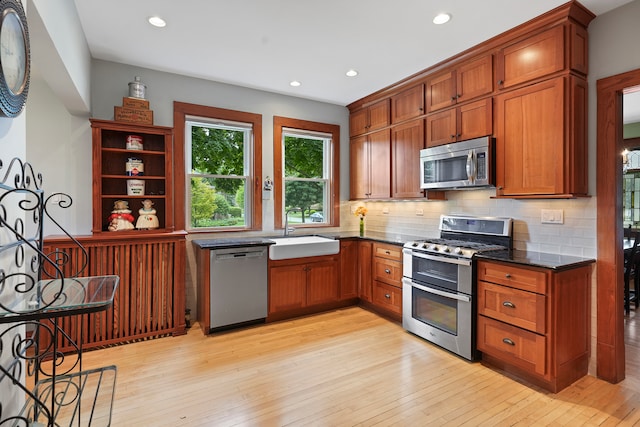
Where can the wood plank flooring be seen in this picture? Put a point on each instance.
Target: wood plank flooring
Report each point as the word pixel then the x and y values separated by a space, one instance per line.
pixel 347 367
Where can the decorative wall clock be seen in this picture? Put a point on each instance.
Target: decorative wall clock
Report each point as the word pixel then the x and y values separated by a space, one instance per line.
pixel 15 58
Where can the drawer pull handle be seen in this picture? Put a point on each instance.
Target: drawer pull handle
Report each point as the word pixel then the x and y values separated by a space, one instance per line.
pixel 387 252
pixel 386 270
pixel 387 296
pixel 509 304
pixel 508 276
pixel 508 341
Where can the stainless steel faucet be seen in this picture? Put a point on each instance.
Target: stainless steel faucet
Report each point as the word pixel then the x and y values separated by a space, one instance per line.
pixel 288 230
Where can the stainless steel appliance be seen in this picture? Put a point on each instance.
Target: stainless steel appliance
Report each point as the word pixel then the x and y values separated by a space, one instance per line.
pixel 238 286
pixel 438 284
pixel 461 165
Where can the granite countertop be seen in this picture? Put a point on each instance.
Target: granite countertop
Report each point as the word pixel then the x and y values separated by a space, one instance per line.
pixel 537 259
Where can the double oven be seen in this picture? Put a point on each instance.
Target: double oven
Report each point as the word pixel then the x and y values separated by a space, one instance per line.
pixel 438 284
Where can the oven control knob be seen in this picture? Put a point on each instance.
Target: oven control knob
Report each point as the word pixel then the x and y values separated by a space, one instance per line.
pixel 414 244
pixel 434 248
pixel 457 251
pixel 425 246
pixel 446 249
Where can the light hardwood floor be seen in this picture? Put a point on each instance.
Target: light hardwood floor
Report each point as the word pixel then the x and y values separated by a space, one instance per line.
pixel 342 368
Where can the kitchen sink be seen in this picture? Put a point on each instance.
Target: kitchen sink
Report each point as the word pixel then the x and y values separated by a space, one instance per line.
pixel 302 246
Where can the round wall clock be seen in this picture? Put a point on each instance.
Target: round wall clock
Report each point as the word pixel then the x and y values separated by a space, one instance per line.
pixel 15 58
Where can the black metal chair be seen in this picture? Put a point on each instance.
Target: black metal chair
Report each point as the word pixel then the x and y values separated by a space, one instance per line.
pixel 631 269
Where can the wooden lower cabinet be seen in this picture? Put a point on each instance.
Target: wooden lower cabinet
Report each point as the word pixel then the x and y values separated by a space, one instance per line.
pixel 365 253
pixel 386 271
pixel 535 322
pixel 303 285
pixel 348 268
pixel 150 298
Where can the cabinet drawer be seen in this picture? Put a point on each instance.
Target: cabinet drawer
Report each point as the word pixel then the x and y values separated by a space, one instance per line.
pixel 387 296
pixel 387 251
pixel 387 270
pixel 513 306
pixel 512 345
pixel 513 276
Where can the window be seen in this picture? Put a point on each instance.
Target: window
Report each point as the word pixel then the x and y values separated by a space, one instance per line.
pixel 220 151
pixel 306 169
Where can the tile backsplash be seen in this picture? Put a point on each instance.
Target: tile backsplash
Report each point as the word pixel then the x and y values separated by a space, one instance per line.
pixel 575 236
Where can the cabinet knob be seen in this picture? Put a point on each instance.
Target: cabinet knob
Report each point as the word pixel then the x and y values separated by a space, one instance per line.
pixel 508 341
pixel 508 276
pixel 387 252
pixel 453 98
pixel 509 304
pixel 453 137
pixel 386 270
pixel 459 135
pixel 500 82
pixel 387 296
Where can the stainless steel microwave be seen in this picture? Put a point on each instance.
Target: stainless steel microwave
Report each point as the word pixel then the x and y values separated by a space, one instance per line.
pixel 461 165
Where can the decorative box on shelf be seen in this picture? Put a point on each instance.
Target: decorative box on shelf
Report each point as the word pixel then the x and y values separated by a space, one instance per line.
pixel 133 115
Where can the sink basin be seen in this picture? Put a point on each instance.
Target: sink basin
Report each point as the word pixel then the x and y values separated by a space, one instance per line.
pixel 302 246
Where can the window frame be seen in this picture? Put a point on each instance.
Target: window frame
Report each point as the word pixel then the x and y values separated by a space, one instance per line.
pixel 280 124
pixel 183 112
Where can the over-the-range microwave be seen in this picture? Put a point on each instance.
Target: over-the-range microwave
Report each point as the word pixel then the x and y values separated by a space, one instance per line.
pixel 460 165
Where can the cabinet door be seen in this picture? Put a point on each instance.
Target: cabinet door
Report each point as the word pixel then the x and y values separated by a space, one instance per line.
pixel 379 165
pixel 358 122
pixel 348 269
pixel 406 142
pixel 407 104
pixel 530 139
pixel 474 79
pixel 287 287
pixel 365 253
pixel 474 120
pixel 322 282
pixel 441 128
pixel 441 91
pixel 531 58
pixel 379 115
pixel 359 168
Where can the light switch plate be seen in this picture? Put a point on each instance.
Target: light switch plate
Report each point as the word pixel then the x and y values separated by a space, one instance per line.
pixel 552 216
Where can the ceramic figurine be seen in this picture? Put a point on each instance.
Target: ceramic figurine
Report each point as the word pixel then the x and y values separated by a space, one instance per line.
pixel 147 218
pixel 120 218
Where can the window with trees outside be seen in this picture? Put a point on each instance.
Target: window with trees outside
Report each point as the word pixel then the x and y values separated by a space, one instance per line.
pixel 220 168
pixel 306 173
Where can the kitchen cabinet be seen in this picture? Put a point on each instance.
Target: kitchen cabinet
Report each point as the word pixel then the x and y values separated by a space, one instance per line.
pixel 534 322
pixel 534 57
pixel 303 282
pixel 387 279
pixel 541 144
pixel 365 254
pixel 407 104
pixel 467 81
pixel 468 121
pixel 370 166
pixel 368 119
pixel 407 140
pixel 110 156
pixel 348 268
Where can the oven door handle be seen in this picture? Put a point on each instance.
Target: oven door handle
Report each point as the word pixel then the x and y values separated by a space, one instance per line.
pixel 459 297
pixel 460 261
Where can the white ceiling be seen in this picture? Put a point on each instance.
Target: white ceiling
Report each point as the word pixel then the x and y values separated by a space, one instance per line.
pixel 264 44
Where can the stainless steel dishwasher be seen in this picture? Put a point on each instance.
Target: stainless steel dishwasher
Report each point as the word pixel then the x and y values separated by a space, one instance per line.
pixel 238 286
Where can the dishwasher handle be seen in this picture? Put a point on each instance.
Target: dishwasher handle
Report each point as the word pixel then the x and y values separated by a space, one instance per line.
pixel 240 254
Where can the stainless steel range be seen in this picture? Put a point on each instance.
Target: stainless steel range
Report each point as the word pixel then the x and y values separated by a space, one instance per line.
pixel 438 284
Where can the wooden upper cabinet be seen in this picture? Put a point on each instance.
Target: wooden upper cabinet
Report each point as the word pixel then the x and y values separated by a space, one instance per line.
pixel 373 117
pixel 461 123
pixel 530 139
pixel 534 57
pixel 407 140
pixel 408 104
pixel 468 81
pixel 370 162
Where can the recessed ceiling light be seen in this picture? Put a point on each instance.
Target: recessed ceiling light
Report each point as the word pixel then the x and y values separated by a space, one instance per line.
pixel 295 83
pixel 156 21
pixel 352 73
pixel 441 18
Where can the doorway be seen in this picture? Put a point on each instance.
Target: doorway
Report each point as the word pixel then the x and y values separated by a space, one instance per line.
pixel 610 363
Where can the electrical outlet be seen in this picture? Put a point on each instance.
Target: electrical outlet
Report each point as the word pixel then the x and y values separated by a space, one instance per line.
pixel 385 211
pixel 552 216
pixel 419 212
